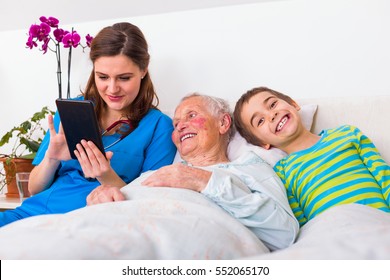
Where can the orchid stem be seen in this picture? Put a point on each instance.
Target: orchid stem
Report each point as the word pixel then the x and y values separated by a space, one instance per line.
pixel 59 71
pixel 69 64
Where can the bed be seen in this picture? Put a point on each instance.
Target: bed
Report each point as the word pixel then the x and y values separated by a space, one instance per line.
pixel 165 223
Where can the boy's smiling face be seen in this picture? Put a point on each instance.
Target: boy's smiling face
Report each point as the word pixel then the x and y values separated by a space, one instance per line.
pixel 272 120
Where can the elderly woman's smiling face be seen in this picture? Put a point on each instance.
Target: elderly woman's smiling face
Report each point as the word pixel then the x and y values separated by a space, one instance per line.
pixel 196 130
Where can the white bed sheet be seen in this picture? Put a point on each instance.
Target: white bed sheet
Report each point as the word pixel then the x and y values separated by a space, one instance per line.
pixel 155 223
pixel 346 232
pixel 167 223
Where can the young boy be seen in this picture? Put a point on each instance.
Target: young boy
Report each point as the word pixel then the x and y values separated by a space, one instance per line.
pixel 338 166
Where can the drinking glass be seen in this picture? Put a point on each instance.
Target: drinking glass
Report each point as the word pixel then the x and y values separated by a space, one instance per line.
pixel 22 183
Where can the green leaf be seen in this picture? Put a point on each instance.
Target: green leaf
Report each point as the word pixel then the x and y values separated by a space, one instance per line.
pixel 31 145
pixel 25 127
pixel 24 132
pixel 42 114
pixel 5 138
pixel 29 156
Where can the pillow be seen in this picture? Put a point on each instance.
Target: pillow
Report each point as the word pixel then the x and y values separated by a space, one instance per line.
pixel 307 114
pixel 239 146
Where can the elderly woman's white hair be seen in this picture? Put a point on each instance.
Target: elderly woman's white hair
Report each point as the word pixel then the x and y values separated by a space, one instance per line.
pixel 216 106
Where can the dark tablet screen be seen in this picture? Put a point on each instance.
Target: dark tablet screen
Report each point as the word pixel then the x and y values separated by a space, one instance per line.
pixel 79 122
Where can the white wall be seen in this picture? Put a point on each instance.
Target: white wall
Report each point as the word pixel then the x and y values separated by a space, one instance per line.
pixel 303 48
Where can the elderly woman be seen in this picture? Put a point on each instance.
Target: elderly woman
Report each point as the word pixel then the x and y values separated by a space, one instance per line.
pixel 248 188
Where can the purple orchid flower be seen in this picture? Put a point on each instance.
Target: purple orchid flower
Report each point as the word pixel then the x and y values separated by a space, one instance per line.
pixel 42 34
pixel 45 45
pixel 71 40
pixel 51 21
pixel 39 31
pixel 31 43
pixel 59 34
pixel 88 39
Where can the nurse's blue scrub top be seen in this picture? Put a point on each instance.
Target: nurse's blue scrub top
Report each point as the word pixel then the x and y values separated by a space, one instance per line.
pixel 148 147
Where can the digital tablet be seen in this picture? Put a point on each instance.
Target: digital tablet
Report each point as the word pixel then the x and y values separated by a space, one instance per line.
pixel 79 122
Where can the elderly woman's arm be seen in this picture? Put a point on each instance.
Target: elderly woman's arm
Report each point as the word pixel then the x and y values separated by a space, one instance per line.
pixel 251 192
pixel 179 175
pixel 248 189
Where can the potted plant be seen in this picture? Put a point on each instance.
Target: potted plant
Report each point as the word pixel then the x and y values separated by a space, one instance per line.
pixel 26 138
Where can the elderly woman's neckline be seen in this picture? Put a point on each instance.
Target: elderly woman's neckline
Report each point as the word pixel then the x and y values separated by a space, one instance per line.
pixel 206 161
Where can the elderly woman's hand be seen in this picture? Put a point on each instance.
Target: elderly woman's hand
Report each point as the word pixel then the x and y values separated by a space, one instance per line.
pixel 104 194
pixel 179 175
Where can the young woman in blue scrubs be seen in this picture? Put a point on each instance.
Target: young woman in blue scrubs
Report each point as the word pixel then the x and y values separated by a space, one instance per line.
pixel 136 135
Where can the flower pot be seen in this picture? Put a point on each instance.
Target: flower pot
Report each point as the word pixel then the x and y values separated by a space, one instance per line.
pixel 11 168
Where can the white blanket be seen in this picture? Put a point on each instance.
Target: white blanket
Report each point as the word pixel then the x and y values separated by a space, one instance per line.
pixel 155 223
pixel 347 232
pixel 166 223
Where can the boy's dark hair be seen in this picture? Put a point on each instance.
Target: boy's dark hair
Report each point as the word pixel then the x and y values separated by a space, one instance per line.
pixel 240 126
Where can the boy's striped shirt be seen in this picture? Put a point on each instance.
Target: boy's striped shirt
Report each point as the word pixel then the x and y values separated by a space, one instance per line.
pixel 343 167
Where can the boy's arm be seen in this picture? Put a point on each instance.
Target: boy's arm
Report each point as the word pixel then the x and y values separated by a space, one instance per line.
pixel 296 208
pixel 292 200
pixel 374 162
